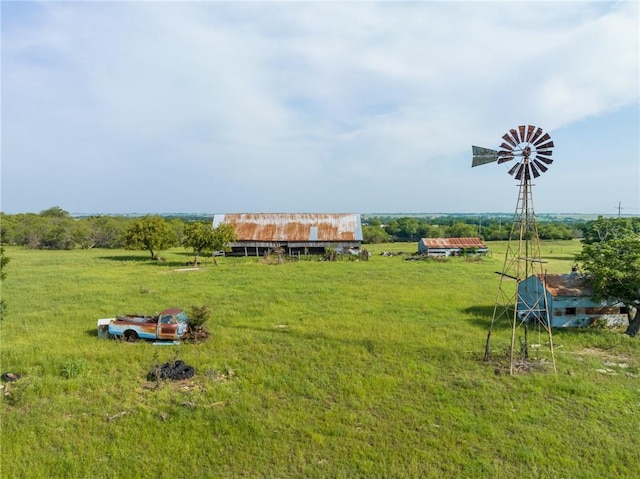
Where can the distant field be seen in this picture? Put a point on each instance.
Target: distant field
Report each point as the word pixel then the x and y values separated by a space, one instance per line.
pixel 313 369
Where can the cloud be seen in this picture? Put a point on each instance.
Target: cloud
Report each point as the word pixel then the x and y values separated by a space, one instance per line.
pixel 290 102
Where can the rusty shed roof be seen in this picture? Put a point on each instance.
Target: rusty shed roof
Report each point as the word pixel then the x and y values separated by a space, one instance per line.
pixel 566 285
pixel 294 226
pixel 446 243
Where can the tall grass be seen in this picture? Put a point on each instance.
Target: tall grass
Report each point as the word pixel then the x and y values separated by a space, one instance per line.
pixel 313 369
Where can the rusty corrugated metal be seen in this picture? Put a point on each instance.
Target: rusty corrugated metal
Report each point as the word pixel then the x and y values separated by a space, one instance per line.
pixel 566 285
pixel 444 243
pixel 287 227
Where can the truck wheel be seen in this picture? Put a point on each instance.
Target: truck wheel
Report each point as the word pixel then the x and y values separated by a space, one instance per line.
pixel 131 336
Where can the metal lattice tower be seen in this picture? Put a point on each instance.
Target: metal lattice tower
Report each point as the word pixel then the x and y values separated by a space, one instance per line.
pixel 527 312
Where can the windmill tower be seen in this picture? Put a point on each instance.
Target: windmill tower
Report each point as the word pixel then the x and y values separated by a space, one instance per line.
pixel 531 152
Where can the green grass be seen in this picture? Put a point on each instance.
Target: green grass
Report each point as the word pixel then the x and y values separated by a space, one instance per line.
pixel 313 369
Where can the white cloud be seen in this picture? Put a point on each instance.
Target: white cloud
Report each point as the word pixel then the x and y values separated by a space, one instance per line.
pixel 272 99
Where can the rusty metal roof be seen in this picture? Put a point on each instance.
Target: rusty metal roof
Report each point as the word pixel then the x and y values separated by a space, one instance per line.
pixel 567 285
pixel 294 226
pixel 447 243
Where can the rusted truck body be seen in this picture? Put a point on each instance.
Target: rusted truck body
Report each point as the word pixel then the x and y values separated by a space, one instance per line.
pixel 170 324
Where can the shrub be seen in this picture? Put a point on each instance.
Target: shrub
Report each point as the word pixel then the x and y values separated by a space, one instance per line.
pixel 198 315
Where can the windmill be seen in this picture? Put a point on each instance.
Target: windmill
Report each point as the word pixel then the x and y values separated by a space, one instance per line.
pixel 530 150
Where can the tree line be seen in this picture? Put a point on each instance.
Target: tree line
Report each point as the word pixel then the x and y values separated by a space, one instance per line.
pixel 391 229
pixel 55 228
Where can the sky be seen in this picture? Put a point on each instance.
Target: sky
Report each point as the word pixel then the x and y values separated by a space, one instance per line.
pixel 362 106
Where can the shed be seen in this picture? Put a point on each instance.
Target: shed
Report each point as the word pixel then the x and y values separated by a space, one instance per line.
pixel 451 246
pixel 569 301
pixel 295 233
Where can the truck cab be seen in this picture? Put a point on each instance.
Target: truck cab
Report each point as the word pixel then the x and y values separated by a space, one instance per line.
pixel 172 324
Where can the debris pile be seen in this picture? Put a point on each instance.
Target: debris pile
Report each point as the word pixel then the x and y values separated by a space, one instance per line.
pixel 174 370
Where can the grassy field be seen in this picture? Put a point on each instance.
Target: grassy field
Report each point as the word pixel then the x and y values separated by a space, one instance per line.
pixel 339 369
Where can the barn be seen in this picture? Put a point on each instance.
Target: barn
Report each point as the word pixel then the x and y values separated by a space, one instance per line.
pixel 569 301
pixel 451 246
pixel 295 233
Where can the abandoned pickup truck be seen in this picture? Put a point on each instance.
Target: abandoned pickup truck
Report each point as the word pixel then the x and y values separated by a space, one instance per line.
pixel 170 324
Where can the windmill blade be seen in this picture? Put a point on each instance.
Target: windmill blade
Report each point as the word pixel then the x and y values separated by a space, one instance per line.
pixel 530 129
pixel 540 166
pixel 482 156
pixel 522 129
pixel 544 138
pixel 514 168
pixel 535 172
pixel 529 145
pixel 509 140
pixel 536 135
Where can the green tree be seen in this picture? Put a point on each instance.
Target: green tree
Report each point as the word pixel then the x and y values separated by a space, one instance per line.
pixel 30 230
pixel 224 234
pixel 409 227
pixel 551 231
pixel 202 238
pixel 4 260
pixel 199 237
pixel 82 234
pixel 403 229
pixel 393 228
pixel 178 227
pixel 8 228
pixel 151 233
pixel 108 231
pixel 495 231
pixel 431 231
pixel 612 268
pixel 462 230
pixel 604 229
pixel 59 233
pixel 55 212
pixel 374 234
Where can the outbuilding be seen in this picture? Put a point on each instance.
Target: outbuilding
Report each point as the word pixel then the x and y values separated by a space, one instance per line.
pixel 451 246
pixel 293 233
pixel 569 301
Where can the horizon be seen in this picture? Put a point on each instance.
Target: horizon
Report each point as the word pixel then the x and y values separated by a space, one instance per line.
pixel 424 214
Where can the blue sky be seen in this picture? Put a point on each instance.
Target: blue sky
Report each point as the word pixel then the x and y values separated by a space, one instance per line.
pixel 223 107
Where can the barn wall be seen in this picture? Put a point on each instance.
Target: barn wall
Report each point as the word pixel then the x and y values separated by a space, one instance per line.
pixel 581 312
pixel 258 248
pixel 569 311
